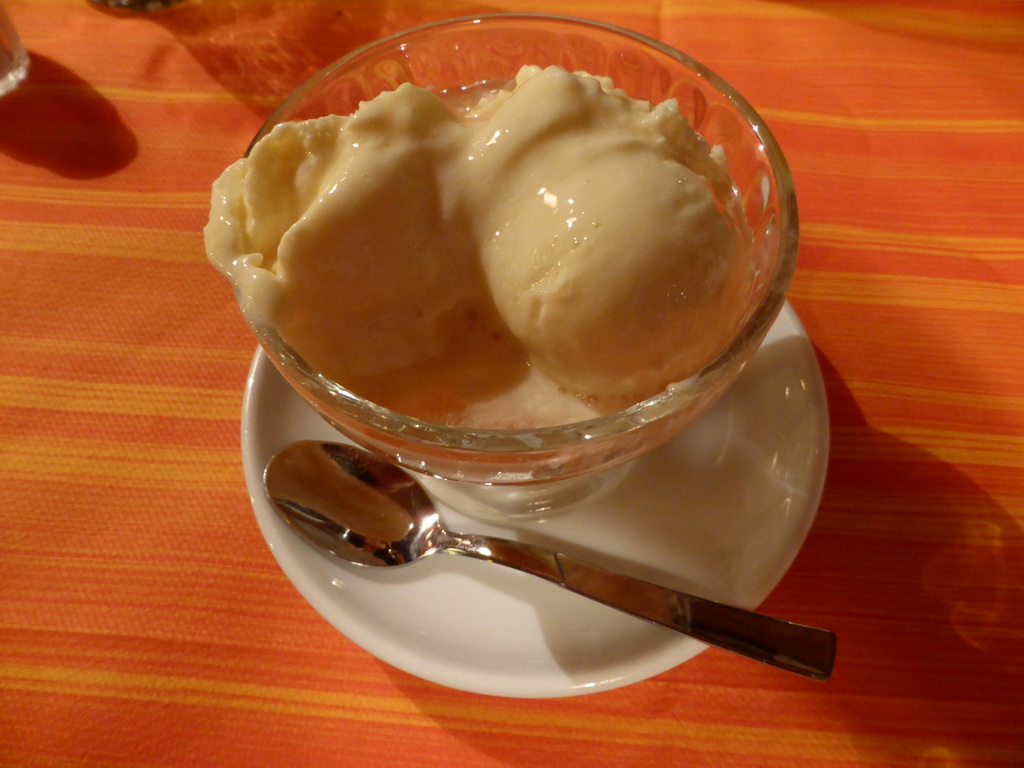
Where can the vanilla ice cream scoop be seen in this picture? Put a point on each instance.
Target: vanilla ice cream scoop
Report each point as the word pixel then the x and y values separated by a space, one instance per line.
pixel 609 255
pixel 559 251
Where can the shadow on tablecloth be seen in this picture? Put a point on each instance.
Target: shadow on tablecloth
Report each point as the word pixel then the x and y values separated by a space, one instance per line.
pixel 56 120
pixel 993 28
pixel 261 52
pixel 924 562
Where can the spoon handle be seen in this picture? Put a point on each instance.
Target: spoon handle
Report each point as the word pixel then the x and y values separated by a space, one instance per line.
pixel 796 648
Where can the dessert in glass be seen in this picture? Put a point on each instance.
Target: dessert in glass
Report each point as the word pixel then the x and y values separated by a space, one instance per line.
pixel 510 253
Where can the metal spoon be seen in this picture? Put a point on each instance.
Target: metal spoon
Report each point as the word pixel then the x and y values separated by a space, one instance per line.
pixel 364 510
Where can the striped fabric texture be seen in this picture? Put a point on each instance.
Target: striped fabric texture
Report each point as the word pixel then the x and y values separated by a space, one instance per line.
pixel 143 621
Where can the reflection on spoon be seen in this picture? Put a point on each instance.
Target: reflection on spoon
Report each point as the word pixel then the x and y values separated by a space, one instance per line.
pixel 362 509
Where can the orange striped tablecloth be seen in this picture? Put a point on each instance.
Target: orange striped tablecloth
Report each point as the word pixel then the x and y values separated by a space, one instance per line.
pixel 143 621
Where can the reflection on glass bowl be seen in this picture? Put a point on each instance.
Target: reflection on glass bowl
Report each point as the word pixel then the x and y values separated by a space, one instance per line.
pixel 533 472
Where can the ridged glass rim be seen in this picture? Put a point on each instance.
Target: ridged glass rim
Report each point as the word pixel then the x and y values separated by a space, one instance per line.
pixel 654 408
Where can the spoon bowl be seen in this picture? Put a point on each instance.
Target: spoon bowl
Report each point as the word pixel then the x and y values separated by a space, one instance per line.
pixel 360 508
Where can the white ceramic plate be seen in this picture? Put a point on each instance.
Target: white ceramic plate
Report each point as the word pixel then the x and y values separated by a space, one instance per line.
pixel 721 511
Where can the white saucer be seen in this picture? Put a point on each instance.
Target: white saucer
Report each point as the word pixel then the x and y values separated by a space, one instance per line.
pixel 720 511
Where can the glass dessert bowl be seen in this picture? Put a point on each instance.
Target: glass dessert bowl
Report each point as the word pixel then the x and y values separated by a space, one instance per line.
pixel 534 472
